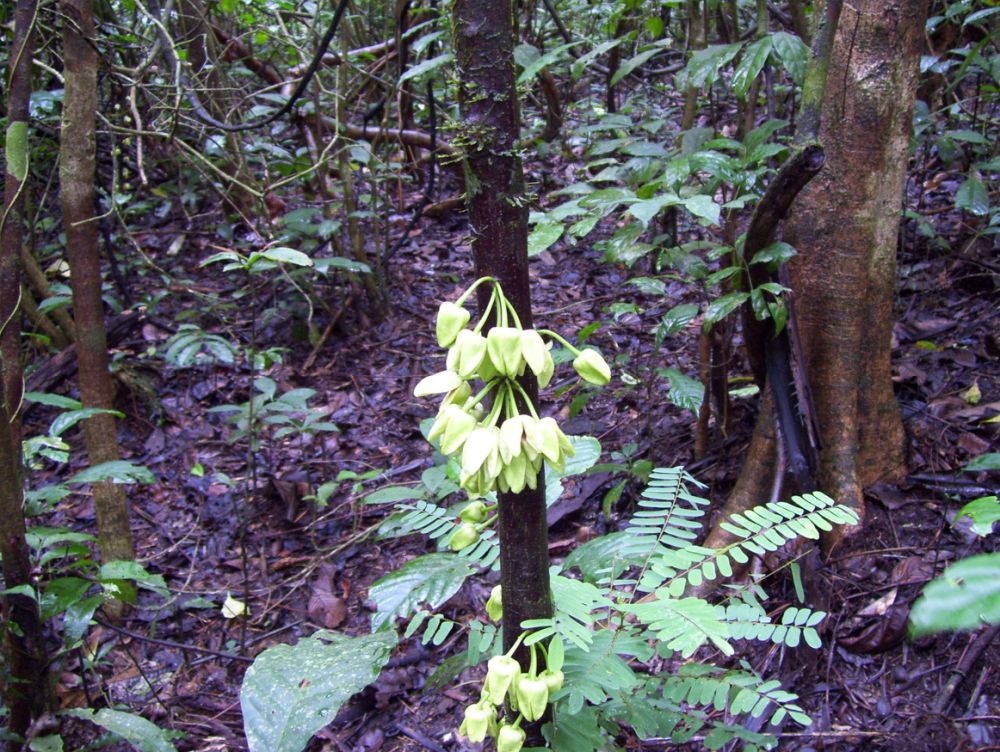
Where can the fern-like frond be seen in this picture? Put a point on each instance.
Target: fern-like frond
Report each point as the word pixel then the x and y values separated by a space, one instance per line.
pixel 439 523
pixel 797 624
pixel 667 519
pixel 683 624
pixel 575 606
pixel 762 529
pixel 736 692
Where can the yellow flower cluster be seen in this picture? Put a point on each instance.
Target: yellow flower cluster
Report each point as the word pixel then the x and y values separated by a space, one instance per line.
pixel 505 448
pixel 528 694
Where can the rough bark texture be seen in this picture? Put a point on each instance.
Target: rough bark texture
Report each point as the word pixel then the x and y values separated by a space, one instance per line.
pixel 498 216
pixel 23 652
pixel 76 188
pixel 696 41
pixel 844 226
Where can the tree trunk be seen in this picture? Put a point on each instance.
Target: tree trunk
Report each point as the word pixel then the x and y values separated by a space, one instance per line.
pixel 498 216
pixel 844 226
pixel 697 34
pixel 76 188
pixel 24 654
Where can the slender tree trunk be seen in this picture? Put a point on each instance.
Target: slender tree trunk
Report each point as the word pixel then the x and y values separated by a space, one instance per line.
pixel 696 41
pixel 23 652
pixel 498 216
pixel 76 188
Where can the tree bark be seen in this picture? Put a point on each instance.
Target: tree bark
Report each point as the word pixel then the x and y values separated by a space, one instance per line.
pixel 23 652
pixel 844 226
pixel 697 34
pixel 498 216
pixel 76 188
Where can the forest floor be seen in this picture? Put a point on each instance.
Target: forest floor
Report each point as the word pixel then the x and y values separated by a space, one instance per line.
pixel 300 567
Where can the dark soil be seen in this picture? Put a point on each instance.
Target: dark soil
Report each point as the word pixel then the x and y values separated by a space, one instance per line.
pixel 215 524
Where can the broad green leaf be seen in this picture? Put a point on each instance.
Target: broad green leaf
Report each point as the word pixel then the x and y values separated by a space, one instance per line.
pixel 685 392
pixel 430 579
pixel 793 53
pixel 678 317
pixel 645 211
pixel 645 149
pixel 632 63
pixel 973 197
pixel 704 64
pixel 426 66
pixel 704 207
pixel 322 265
pixel 966 596
pixel 544 235
pixel 287 256
pixel 979 16
pixel 719 308
pixel 292 691
pixel 750 66
pixel 989 461
pixel 116 471
pixel 983 512
pixel 586 59
pixel 533 64
pixel 53 400
pixel 144 735
pixel 67 420
pixel 778 252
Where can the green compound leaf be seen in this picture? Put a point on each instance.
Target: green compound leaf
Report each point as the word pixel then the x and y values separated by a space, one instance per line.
pixel 430 579
pixel 292 691
pixel 966 596
pixel 136 730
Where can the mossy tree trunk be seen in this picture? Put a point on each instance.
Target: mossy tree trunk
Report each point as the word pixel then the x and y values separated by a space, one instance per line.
pixel 76 187
pixel 498 216
pixel 24 655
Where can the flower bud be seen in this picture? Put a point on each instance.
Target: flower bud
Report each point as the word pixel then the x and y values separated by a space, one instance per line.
pixel 478 720
pixel 451 319
pixel 437 383
pixel 555 445
pixel 514 476
pixel 481 443
pixel 504 345
pixel 487 371
pixel 494 605
pixel 553 680
pixel 548 368
pixel 511 431
pixel 474 512
pixel 463 537
pixel 532 697
pixel 534 350
pixel 470 348
pixel 501 670
pixel 457 429
pixel 510 739
pixel 592 367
